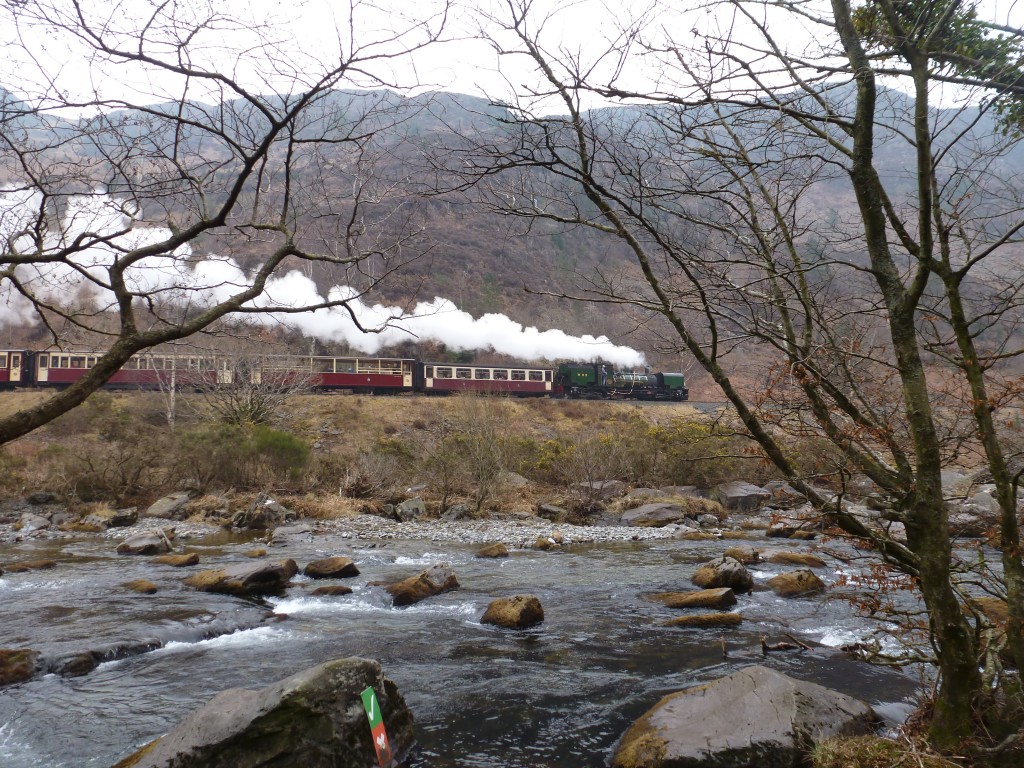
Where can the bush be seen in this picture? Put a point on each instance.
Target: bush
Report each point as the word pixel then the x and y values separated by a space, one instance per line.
pixel 230 455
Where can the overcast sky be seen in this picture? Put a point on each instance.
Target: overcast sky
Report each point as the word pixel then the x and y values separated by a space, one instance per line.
pixel 305 33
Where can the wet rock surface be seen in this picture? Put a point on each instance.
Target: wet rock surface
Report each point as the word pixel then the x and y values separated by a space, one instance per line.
pixel 753 717
pixel 724 572
pixel 245 579
pixel 518 612
pixel 313 718
pixel 433 581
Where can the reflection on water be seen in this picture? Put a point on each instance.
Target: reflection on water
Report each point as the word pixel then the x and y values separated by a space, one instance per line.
pixel 559 694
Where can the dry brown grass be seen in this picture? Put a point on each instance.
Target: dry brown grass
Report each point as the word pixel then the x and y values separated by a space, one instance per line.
pixel 875 752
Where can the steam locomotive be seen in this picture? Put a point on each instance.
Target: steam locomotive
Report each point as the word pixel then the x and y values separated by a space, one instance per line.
pixel 363 375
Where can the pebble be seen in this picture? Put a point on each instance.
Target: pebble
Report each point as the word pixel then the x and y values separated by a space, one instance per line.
pixel 517 533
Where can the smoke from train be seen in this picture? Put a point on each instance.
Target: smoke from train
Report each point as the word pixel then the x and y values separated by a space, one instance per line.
pixel 178 279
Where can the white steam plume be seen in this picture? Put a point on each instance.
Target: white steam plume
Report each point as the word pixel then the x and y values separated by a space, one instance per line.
pixel 178 278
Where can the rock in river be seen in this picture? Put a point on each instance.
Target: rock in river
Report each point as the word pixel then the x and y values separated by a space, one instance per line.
pixel 178 561
pixel 753 717
pixel 148 543
pixel 796 584
pixel 723 597
pixel 246 578
pixel 493 550
pixel 704 620
pixel 331 568
pixel 18 665
pixel 313 718
pixel 433 581
pixel 519 612
pixel 724 572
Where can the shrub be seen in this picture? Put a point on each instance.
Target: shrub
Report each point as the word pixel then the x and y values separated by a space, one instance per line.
pixel 243 456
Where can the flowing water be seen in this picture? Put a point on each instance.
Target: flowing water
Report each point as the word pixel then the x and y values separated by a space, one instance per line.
pixel 560 694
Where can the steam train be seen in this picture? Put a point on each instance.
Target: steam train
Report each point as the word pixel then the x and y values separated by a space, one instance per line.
pixel 363 375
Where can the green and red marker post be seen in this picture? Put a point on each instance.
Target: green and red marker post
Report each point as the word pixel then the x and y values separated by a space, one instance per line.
pixel 380 736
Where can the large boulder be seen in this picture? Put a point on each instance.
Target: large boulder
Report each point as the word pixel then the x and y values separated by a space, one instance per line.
pixel 410 509
pixel 263 514
pixel 654 515
pixel 331 568
pixel 519 612
pixel 552 512
pixel 314 718
pixel 101 519
pixel 291 534
pixel 783 495
pixel 740 497
pixel 147 543
pixel 245 579
pixel 433 581
pixel 31 522
pixel 796 584
pixel 754 718
pixel 724 572
pixel 170 507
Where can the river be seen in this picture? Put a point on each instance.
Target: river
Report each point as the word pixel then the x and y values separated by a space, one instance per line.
pixel 560 694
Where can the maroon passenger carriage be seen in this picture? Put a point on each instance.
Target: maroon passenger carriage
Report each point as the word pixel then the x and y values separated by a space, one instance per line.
pixel 56 368
pixel 14 370
pixel 157 371
pixel 369 375
pixel 521 381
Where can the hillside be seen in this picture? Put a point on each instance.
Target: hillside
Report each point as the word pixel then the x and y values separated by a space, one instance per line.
pixel 461 249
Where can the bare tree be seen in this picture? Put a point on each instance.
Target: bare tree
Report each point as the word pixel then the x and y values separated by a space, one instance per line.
pixel 163 163
pixel 895 324
pixel 254 388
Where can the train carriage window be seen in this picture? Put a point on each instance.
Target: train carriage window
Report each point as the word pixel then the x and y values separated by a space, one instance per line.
pixel 463 373
pixel 444 373
pixel 345 366
pixel 78 361
pixel 3 359
pixel 482 373
pixel 90 362
pixel 500 375
pixel 547 375
pixel 43 361
pixel 323 364
pixel 536 375
pixel 518 375
pixel 429 372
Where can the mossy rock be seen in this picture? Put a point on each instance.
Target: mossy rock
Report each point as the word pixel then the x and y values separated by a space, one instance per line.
pixel 30 565
pixel 142 586
pixel 493 550
pixel 178 561
pixel 796 584
pixel 518 612
pixel 723 597
pixel 699 620
pixel 782 557
pixel 18 665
